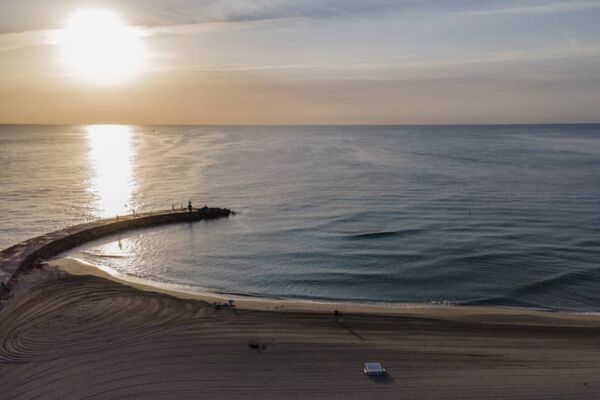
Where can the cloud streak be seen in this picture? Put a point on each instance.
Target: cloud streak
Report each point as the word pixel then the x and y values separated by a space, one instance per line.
pixel 555 7
pixel 43 14
pixel 23 40
pixel 29 15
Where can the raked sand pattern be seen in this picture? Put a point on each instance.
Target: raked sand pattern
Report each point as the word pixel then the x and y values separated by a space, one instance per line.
pixel 84 337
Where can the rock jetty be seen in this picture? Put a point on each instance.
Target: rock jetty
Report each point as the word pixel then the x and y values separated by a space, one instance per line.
pixel 30 253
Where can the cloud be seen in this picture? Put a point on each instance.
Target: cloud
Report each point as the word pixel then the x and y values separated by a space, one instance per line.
pixel 542 65
pixel 43 14
pixel 557 53
pixel 22 40
pixel 31 23
pixel 30 15
pixel 554 7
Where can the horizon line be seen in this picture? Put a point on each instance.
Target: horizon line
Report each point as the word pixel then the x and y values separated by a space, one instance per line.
pixel 302 125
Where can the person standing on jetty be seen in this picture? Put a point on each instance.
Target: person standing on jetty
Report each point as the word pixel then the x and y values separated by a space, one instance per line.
pixel 190 206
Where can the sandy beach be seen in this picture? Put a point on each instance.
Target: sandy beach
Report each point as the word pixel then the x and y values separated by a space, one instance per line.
pixel 67 336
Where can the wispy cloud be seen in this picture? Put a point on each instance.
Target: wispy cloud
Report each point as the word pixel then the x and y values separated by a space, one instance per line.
pixel 27 15
pixel 557 53
pixel 30 15
pixel 203 27
pixel 553 7
pixel 21 40
pixel 49 37
pixel 372 68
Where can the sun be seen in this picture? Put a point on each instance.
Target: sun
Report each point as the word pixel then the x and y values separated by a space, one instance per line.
pixel 99 48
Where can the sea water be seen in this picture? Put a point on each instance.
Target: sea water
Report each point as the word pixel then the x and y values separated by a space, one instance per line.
pixel 496 215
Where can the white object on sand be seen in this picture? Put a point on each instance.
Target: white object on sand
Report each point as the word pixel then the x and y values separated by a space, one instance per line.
pixel 374 368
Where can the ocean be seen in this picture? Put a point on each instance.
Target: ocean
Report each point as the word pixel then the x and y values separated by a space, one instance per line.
pixel 487 215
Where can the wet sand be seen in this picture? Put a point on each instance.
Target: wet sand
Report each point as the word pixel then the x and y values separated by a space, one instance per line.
pixel 66 336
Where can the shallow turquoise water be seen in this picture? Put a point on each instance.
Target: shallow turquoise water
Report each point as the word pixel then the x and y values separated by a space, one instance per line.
pixel 501 215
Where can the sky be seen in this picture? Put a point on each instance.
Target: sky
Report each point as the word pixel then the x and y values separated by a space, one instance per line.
pixel 284 62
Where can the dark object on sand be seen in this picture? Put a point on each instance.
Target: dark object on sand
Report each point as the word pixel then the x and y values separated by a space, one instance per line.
pixel 190 206
pixel 257 346
pixel 338 315
pixel 229 304
pixel 374 369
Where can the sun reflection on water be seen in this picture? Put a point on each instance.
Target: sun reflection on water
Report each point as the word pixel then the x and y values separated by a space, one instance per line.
pixel 111 156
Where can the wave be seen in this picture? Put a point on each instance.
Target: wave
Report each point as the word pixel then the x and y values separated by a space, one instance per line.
pixel 587 243
pixel 589 277
pixel 383 234
pixel 502 301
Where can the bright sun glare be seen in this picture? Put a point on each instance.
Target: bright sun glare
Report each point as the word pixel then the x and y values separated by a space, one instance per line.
pixel 101 49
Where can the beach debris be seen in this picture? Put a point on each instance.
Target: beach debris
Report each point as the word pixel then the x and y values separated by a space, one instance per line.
pixel 229 304
pixel 257 346
pixel 374 369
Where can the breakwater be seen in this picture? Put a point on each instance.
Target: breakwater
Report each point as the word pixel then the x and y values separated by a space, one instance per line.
pixel 28 254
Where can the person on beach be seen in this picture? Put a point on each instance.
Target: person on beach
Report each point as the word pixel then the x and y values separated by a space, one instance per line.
pixel 190 206
pixel 173 207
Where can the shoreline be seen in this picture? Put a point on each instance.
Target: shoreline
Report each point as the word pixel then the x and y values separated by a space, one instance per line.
pixel 492 314
pixel 66 336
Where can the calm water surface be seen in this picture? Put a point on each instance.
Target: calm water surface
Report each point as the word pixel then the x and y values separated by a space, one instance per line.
pixel 500 215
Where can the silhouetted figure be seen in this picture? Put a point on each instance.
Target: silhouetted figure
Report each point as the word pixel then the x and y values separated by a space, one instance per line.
pixel 190 206
pixel 173 207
